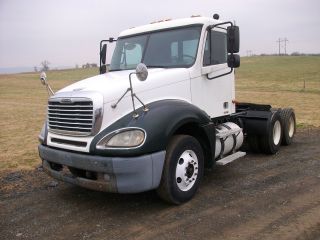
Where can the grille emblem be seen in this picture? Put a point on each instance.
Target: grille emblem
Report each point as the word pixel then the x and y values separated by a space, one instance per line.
pixel 66 100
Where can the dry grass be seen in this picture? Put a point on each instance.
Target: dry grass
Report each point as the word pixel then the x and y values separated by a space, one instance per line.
pixel 277 81
pixel 23 109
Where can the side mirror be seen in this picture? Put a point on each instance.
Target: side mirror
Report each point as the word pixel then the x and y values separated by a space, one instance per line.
pixel 103 53
pixel 233 61
pixel 43 78
pixel 103 69
pixel 142 72
pixel 233 43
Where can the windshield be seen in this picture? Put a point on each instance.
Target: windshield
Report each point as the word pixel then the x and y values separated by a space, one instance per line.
pixel 163 49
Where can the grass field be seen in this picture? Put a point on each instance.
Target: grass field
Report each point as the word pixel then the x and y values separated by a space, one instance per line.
pixel 274 80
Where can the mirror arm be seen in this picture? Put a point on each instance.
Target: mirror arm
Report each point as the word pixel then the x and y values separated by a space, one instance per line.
pixel 110 40
pixel 210 28
pixel 219 24
pixel 49 89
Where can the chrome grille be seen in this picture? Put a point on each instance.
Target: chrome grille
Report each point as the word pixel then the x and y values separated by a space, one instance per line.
pixel 71 116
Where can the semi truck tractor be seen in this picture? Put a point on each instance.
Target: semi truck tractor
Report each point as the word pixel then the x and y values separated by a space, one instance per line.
pixel 162 111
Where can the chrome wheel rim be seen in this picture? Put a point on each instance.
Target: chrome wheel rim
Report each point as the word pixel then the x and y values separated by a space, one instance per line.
pixel 291 127
pixel 276 132
pixel 187 170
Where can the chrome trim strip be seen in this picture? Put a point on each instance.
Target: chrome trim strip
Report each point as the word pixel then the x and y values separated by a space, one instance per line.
pixel 71 123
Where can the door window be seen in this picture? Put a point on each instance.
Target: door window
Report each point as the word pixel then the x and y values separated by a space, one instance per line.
pixel 215 51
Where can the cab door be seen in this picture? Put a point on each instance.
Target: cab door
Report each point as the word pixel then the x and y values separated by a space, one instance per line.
pixel 210 91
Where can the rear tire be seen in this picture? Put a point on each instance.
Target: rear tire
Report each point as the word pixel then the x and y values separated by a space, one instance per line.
pixel 183 169
pixel 270 143
pixel 288 119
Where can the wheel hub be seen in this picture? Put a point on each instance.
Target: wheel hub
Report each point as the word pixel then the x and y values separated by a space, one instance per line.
pixel 187 170
pixel 190 170
pixel 276 132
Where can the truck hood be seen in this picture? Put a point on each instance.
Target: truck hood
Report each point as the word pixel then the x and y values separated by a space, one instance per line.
pixel 113 84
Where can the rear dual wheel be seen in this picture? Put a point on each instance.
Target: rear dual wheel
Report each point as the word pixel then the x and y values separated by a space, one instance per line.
pixel 280 131
pixel 271 142
pixel 183 169
pixel 288 119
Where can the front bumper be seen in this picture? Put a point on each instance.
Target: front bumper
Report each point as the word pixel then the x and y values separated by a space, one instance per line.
pixel 112 174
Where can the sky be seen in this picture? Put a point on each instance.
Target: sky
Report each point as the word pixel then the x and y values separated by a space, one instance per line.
pixel 67 32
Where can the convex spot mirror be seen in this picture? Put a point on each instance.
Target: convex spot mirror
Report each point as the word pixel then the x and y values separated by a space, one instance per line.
pixel 43 78
pixel 233 61
pixel 233 43
pixel 142 72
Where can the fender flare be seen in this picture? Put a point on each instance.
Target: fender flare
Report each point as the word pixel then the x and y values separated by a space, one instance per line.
pixel 160 122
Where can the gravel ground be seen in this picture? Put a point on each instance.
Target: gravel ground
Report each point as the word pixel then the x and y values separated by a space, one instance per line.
pixel 257 197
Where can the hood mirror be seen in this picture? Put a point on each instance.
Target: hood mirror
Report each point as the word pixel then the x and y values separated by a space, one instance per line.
pixel 142 72
pixel 43 79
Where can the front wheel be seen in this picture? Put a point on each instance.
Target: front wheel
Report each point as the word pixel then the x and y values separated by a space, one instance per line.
pixel 183 169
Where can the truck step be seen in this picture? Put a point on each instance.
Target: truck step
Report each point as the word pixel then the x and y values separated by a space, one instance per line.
pixel 230 158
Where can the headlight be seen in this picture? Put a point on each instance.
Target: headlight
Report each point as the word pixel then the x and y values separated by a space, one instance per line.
pixel 124 138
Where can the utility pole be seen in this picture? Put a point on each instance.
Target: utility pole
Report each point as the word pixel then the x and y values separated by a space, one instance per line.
pixel 285 45
pixel 279 42
pixel 285 40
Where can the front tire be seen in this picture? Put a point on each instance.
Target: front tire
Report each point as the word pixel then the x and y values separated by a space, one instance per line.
pixel 183 169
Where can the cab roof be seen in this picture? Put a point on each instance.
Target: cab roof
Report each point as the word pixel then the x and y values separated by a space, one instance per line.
pixel 168 23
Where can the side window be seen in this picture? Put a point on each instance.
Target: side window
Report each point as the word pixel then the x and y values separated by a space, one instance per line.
pixel 218 53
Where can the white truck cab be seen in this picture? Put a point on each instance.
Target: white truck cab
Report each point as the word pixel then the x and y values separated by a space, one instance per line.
pixel 163 111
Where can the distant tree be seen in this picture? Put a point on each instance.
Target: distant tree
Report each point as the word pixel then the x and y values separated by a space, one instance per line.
pixel 295 54
pixel 35 68
pixel 77 66
pixel 45 65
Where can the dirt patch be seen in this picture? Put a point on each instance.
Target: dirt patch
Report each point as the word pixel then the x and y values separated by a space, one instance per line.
pixel 257 197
